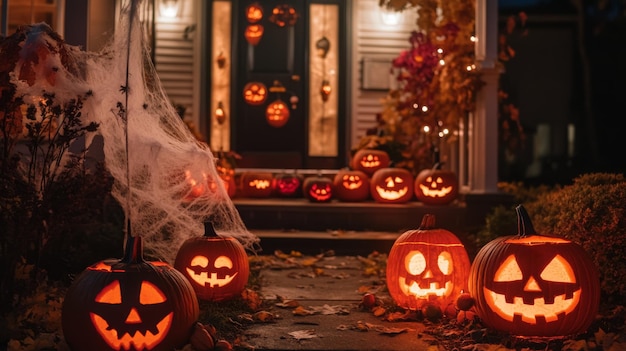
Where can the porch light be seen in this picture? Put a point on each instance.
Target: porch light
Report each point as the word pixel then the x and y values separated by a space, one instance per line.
pixel 325 90
pixel 390 17
pixel 220 113
pixel 169 8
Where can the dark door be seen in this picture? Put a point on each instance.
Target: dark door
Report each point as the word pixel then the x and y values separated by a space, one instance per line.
pixel 278 62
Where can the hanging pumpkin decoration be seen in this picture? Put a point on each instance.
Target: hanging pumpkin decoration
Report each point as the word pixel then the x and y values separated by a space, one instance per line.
pixel 255 93
pixel 534 285
pixel 277 113
pixel 318 188
pixel 216 266
pixel 370 160
pixel 322 46
pixel 254 33
pixel 254 12
pixel 325 90
pixel 351 185
pixel 257 184
pixel 129 304
pixel 427 266
pixel 392 185
pixel 288 185
pixel 436 186
pixel 284 15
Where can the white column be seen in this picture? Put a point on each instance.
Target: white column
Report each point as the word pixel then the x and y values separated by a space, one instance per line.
pixel 483 129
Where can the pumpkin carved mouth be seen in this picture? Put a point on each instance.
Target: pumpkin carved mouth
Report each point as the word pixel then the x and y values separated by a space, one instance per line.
pixel 138 341
pixel 414 289
pixel 392 194
pixel 204 279
pixel 434 192
pixel 530 312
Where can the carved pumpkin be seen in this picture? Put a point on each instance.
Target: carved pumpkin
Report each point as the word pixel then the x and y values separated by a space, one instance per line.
pixel 129 304
pixel 254 12
pixel 392 185
pixel 427 266
pixel 534 285
pixel 436 186
pixel 370 160
pixel 284 15
pixel 216 266
pixel 277 113
pixel 257 184
pixel 288 185
pixel 318 188
pixel 351 185
pixel 255 93
pixel 254 33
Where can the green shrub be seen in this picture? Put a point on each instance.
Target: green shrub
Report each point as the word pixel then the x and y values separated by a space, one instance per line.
pixel 591 212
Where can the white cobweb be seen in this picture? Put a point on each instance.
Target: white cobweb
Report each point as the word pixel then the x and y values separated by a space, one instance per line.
pixel 174 184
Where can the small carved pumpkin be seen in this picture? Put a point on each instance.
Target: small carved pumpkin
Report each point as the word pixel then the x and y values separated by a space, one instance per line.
pixel 254 33
pixel 216 266
pixel 318 188
pixel 254 12
pixel 129 304
pixel 392 185
pixel 255 93
pixel 436 186
pixel 534 285
pixel 257 184
pixel 277 113
pixel 427 266
pixel 351 185
pixel 288 185
pixel 370 160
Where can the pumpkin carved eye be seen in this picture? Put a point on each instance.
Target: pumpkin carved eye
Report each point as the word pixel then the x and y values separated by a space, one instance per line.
pixel 223 262
pixel 416 263
pixel 444 262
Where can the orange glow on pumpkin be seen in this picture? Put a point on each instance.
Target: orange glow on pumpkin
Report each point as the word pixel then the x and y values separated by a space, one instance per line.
pixel 277 113
pixel 255 93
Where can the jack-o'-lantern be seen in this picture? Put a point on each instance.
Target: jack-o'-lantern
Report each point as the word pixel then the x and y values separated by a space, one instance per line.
pixel 318 188
pixel 427 266
pixel 216 266
pixel 534 285
pixel 257 184
pixel 436 186
pixel 228 179
pixel 254 33
pixel 392 185
pixel 277 113
pixel 198 184
pixel 284 15
pixel 370 160
pixel 351 185
pixel 288 185
pixel 129 304
pixel 255 93
pixel 254 12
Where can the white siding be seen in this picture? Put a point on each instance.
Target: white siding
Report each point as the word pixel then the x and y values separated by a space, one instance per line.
pixel 373 39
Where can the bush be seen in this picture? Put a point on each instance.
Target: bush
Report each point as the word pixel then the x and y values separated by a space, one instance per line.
pixel 591 212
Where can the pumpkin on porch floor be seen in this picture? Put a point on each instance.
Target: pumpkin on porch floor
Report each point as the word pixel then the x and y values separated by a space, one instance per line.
pixel 534 285
pixel 369 161
pixel 288 184
pixel 256 184
pixel 392 185
pixel 318 188
pixel 427 266
pixel 351 185
pixel 216 266
pixel 129 304
pixel 436 186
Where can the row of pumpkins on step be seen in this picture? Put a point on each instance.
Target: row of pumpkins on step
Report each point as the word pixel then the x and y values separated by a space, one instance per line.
pixel 526 284
pixel 386 185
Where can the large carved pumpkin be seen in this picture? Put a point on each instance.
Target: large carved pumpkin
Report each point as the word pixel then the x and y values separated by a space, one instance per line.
pixel 436 186
pixel 257 184
pixel 216 266
pixel 351 185
pixel 534 285
pixel 129 304
pixel 428 265
pixel 392 185
pixel 318 188
pixel 369 161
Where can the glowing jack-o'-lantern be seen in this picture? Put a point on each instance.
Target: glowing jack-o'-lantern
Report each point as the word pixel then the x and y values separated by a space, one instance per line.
pixel 216 266
pixel 257 184
pixel 254 33
pixel 427 266
pixel 288 185
pixel 129 304
pixel 369 161
pixel 254 12
pixel 318 188
pixel 277 113
pixel 436 186
pixel 392 185
pixel 351 185
pixel 255 93
pixel 534 285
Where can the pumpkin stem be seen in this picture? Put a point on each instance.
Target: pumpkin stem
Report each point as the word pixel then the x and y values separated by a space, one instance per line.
pixel 209 230
pixel 134 250
pixel 524 225
pixel 428 222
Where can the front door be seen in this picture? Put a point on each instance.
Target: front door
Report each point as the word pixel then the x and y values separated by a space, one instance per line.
pixel 266 133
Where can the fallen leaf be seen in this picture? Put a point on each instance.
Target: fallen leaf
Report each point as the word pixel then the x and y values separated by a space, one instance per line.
pixel 303 334
pixel 301 311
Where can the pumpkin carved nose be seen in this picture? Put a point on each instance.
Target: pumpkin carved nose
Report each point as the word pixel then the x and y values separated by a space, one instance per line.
pixel 428 274
pixel 532 285
pixel 133 317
